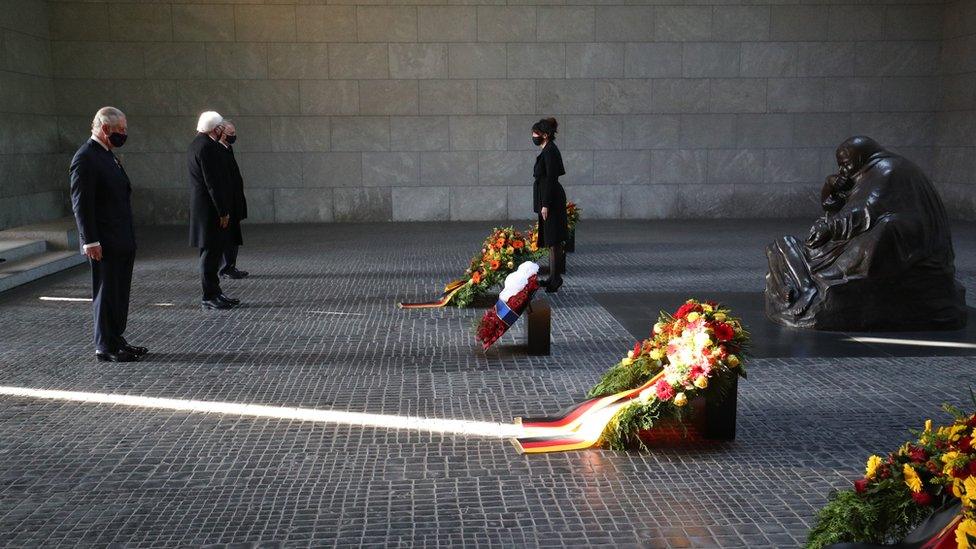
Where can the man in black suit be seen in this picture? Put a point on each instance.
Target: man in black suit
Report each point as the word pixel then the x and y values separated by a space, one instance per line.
pixel 209 207
pixel 238 203
pixel 100 199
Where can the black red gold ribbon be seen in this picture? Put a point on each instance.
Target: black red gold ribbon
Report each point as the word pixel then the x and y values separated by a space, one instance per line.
pixel 579 427
pixel 452 288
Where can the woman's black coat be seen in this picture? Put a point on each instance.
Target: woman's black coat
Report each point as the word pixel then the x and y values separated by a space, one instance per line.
pixel 547 192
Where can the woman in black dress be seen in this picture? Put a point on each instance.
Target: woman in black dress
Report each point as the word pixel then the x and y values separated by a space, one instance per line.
pixel 549 199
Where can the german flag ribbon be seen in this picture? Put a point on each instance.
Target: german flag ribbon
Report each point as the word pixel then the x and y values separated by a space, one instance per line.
pixel 579 427
pixel 452 288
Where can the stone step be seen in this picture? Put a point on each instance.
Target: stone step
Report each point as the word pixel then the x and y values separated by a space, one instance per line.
pixel 29 269
pixel 60 234
pixel 12 250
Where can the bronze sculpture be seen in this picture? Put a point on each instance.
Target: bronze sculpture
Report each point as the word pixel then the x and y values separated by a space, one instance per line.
pixel 880 258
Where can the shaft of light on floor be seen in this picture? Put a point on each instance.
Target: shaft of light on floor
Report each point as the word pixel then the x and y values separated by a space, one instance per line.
pixel 432 425
pixel 915 342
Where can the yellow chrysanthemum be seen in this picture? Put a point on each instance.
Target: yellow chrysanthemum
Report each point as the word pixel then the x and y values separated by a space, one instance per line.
pixel 720 317
pixel 657 354
pixel 627 361
pixel 928 425
pixel 732 361
pixel 680 399
pixel 911 479
pixel 872 466
pixel 964 532
pixel 969 497
pixel 701 382
pixel 707 308
pixel 693 316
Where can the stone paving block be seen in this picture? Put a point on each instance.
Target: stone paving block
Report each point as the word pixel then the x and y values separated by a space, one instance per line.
pixel 764 130
pixel 680 166
pixel 503 168
pixel 913 23
pixel 97 60
pixel 651 131
pixel 579 132
pixel 679 95
pixel 710 60
pixel 708 131
pixel 146 97
pixel 853 94
pixel 851 22
pixel 197 96
pixel 271 170
pixel 796 95
pixel 78 21
pixel 177 60
pixel 621 167
pixel 735 166
pixel 649 202
pixel 897 59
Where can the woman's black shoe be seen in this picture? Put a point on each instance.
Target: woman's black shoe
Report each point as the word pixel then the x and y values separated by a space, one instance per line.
pixel 553 286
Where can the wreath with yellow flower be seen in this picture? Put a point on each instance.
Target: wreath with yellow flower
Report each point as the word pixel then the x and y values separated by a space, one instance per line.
pixel 698 348
pixel 899 491
pixel 501 253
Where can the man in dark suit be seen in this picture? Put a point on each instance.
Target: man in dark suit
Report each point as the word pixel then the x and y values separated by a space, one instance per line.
pixel 238 203
pixel 100 199
pixel 209 207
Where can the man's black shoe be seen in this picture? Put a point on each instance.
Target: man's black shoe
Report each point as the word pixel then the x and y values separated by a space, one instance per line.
pixel 134 349
pixel 231 300
pixel 118 356
pixel 235 274
pixel 215 303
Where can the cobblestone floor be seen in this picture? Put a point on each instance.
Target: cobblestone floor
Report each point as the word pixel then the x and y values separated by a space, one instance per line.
pixel 320 330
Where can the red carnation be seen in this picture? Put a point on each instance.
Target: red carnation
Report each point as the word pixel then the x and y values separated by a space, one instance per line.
pixel 923 498
pixel 723 332
pixel 861 485
pixel 917 455
pixel 972 421
pixel 637 349
pixel 687 308
pixel 932 466
pixel 972 468
pixel 965 444
pixel 960 472
pixel 664 390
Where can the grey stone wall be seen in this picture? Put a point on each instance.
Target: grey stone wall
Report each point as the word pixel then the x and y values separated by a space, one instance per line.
pixel 410 112
pixel 956 155
pixel 32 180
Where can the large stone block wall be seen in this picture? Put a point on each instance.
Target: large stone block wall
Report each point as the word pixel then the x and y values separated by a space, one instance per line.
pixel 422 112
pixel 33 184
pixel 956 155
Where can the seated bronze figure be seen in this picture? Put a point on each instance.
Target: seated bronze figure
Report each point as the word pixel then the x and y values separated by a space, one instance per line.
pixel 880 258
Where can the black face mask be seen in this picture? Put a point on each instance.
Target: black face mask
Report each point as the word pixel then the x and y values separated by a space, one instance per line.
pixel 117 139
pixel 231 139
pixel 537 140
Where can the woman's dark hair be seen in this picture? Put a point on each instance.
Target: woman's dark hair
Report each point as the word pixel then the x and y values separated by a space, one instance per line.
pixel 546 126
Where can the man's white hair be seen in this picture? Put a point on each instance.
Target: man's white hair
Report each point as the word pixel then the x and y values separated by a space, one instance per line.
pixel 208 121
pixel 109 116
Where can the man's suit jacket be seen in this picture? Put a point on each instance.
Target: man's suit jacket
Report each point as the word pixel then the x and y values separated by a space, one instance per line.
pixel 235 195
pixel 101 199
pixel 208 192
